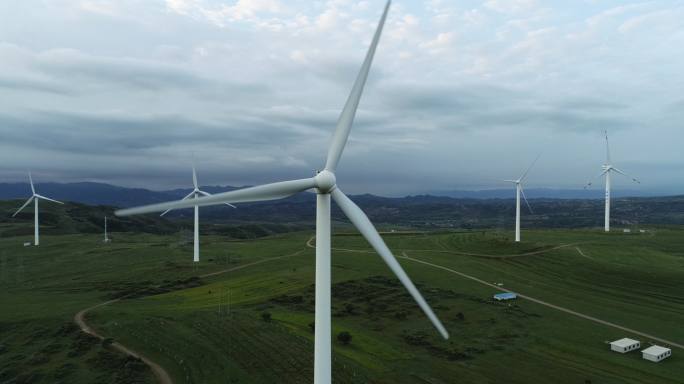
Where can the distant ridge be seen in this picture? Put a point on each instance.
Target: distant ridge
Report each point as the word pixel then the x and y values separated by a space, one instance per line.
pixel 107 194
pixel 534 193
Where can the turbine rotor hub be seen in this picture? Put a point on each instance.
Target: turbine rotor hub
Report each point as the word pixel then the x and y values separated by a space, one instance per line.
pixel 325 181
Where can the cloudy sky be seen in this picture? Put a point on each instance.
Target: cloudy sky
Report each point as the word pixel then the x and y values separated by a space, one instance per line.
pixel 120 91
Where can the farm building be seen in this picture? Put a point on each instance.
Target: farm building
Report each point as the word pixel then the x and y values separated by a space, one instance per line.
pixel 625 345
pixel 505 296
pixel 656 353
pixel 642 230
pixel 626 230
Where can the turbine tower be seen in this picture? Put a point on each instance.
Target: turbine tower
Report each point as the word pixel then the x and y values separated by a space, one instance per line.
pixel 325 186
pixel 517 206
pixel 106 239
pixel 35 197
pixel 606 170
pixel 196 194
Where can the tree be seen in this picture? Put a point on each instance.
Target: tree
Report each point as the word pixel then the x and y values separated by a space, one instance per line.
pixel 460 316
pixel 345 337
pixel 266 316
pixel 312 325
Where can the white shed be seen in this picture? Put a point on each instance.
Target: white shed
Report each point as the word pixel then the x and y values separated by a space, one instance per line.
pixel 625 345
pixel 626 230
pixel 656 353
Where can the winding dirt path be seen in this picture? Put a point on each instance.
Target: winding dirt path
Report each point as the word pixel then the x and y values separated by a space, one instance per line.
pixel 556 307
pixel 549 304
pixel 160 373
pixel 164 378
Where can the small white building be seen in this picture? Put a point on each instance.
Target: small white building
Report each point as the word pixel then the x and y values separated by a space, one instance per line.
pixel 642 230
pixel 656 353
pixel 626 230
pixel 625 345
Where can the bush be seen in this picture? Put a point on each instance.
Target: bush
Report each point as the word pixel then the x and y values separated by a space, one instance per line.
pixel 83 342
pixel 106 342
pixel 460 316
pixel 313 327
pixel 344 337
pixel 265 316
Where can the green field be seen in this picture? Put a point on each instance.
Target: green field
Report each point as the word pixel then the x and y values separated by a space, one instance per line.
pixel 210 330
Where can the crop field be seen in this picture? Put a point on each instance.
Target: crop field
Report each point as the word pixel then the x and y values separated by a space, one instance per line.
pixel 247 315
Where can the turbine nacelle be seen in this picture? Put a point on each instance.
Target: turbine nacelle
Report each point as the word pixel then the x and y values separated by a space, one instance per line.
pixel 606 167
pixel 325 181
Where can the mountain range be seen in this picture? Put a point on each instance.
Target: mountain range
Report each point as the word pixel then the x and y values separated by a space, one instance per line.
pixel 106 194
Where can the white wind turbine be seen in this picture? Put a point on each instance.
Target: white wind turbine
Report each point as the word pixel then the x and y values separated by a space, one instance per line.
pixel 195 193
pixel 36 197
pixel 325 186
pixel 517 206
pixel 606 170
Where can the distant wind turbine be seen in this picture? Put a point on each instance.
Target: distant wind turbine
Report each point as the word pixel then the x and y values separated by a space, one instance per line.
pixel 606 170
pixel 36 197
pixel 325 186
pixel 106 239
pixel 517 206
pixel 195 193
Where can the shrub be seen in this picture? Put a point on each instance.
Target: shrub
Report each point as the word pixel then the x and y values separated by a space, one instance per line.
pixel 313 327
pixel 106 342
pixel 265 316
pixel 344 337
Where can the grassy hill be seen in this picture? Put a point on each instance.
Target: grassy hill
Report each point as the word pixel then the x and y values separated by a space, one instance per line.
pixel 74 218
pixel 211 330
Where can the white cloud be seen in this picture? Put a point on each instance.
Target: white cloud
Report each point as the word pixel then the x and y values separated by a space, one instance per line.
pixel 510 6
pixel 443 43
pixel 290 161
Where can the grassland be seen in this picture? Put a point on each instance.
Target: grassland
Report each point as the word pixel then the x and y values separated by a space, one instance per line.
pixel 211 331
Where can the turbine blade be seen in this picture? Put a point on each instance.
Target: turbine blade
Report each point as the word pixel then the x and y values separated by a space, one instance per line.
pixel 45 198
pixel 629 177
pixel 528 169
pixel 209 194
pixel 528 204
pixel 508 181
pixel 170 209
pixel 25 204
pixel 597 177
pixel 194 174
pixel 360 220
pixel 607 149
pixel 31 180
pixel 261 193
pixel 346 119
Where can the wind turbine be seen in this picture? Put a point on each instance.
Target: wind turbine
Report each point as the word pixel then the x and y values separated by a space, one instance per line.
pixel 606 170
pixel 35 197
pixel 517 206
pixel 325 186
pixel 195 193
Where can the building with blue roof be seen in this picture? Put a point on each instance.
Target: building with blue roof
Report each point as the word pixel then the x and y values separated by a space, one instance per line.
pixel 505 296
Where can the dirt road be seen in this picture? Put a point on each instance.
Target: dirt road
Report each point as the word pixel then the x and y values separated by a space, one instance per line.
pixel 159 372
pixel 549 304
pixel 404 256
